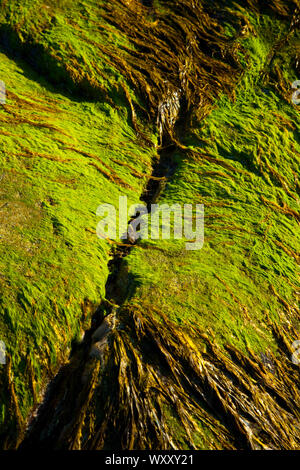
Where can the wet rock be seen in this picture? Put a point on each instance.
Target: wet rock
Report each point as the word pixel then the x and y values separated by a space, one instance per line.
pixel 106 326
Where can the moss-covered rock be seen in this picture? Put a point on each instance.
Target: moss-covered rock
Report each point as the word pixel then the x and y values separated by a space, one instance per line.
pixel 107 99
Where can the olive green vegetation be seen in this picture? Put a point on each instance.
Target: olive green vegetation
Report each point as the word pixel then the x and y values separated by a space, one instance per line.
pixel 242 163
pixel 60 159
pixel 198 353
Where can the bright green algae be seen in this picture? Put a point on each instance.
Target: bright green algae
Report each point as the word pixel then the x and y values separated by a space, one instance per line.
pixel 251 241
pixel 53 267
pixel 241 162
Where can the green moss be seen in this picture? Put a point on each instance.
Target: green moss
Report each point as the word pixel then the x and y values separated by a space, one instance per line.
pixel 53 266
pixel 241 164
pixel 73 137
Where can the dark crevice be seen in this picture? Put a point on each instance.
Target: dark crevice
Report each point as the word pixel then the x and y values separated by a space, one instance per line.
pixel 163 169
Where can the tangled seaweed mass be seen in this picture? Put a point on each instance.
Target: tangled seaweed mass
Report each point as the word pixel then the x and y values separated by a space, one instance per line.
pixel 119 345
